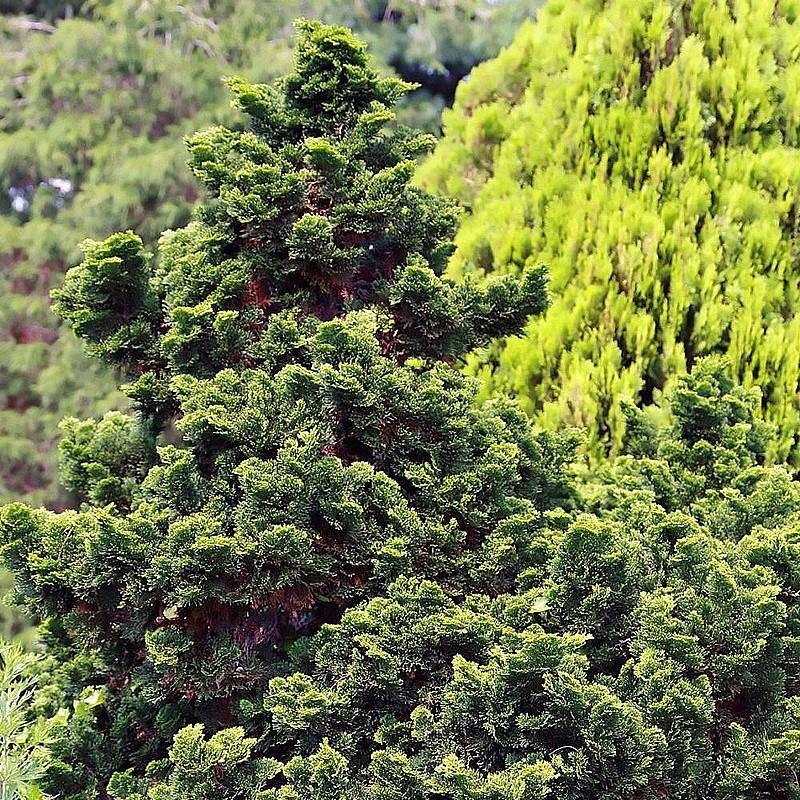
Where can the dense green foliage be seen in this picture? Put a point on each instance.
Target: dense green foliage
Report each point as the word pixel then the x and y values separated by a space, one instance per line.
pixel 299 331
pixel 346 578
pixel 648 153
pixel 24 738
pixel 94 101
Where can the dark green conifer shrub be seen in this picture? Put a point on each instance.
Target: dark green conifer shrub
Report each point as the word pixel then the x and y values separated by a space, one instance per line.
pixel 346 579
pixel 647 151
pixel 301 339
pixel 15 625
pixel 649 650
pixel 95 99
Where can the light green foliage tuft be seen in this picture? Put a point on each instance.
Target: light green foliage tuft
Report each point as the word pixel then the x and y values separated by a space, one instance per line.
pixel 648 153
pixel 24 739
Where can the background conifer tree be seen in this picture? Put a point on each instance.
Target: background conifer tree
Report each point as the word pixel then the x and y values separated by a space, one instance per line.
pixel 648 153
pixel 299 337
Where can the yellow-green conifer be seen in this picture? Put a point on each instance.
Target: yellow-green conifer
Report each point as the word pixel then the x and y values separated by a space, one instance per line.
pixel 647 151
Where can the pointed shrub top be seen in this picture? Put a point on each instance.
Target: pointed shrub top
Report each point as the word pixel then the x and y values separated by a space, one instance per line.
pixel 310 212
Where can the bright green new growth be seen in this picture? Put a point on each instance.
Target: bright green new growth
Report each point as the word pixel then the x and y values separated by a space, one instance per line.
pixel 648 153
pixel 24 740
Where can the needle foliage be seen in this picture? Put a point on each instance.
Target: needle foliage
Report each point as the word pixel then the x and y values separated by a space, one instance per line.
pixel 648 153
pixel 339 575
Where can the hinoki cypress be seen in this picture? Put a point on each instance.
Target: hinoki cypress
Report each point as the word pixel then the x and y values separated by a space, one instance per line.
pixel 311 566
pixel 299 334
pixel 95 99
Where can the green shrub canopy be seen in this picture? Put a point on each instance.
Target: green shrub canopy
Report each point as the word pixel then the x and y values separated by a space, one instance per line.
pixel 648 153
pixel 345 579
pixel 95 99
